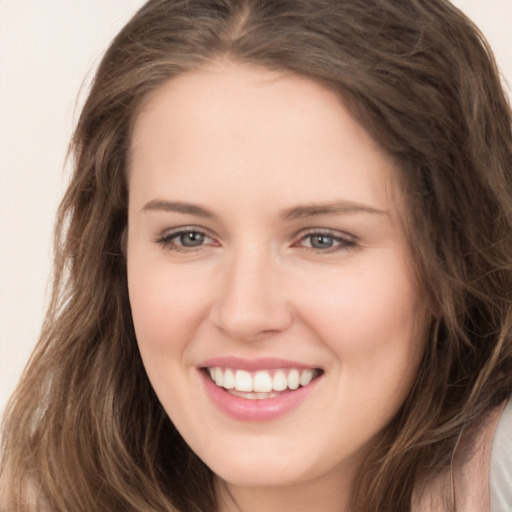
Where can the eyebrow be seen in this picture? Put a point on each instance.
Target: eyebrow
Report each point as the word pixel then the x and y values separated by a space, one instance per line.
pixel 295 213
pixel 179 207
pixel 341 207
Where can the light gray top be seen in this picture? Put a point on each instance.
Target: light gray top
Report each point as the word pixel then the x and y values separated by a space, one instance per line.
pixel 501 463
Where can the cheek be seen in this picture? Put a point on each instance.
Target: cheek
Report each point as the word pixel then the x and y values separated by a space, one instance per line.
pixel 166 306
pixel 166 310
pixel 371 325
pixel 369 318
pixel 361 301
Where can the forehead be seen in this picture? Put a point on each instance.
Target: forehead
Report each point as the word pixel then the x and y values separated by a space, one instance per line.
pixel 247 126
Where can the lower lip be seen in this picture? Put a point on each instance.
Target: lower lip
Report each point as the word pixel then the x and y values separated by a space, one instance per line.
pixel 266 409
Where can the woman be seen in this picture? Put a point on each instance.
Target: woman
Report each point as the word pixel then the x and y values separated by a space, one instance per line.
pixel 282 272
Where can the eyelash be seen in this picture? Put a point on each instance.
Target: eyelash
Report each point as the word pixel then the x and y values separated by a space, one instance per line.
pixel 167 240
pixel 339 243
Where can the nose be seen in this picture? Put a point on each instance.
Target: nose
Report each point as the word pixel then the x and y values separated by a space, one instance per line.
pixel 251 302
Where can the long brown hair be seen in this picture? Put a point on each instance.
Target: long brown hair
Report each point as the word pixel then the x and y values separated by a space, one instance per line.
pixel 85 431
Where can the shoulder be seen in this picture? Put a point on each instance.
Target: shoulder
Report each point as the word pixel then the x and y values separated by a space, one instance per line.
pixel 500 471
pixel 480 476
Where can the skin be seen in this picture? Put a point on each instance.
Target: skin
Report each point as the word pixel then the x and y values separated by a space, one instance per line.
pixel 250 146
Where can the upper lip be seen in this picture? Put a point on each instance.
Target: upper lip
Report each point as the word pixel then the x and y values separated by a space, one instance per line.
pixel 262 363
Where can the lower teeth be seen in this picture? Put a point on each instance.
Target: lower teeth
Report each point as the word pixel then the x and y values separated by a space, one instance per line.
pixel 254 396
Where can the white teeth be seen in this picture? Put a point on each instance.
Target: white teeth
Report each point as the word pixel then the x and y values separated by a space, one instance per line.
pixel 253 396
pixel 243 381
pixel 229 379
pixel 293 379
pixel 218 377
pixel 305 377
pixel 262 384
pixel 279 382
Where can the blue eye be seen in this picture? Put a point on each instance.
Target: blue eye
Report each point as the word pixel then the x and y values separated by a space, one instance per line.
pixel 326 242
pixel 190 238
pixel 184 240
pixel 321 241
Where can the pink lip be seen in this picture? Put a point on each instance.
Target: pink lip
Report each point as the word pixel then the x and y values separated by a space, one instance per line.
pixel 243 409
pixel 252 365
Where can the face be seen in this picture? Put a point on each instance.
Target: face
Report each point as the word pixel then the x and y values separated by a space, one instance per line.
pixel 273 296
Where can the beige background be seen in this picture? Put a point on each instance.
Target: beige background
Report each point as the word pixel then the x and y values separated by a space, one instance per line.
pixel 47 48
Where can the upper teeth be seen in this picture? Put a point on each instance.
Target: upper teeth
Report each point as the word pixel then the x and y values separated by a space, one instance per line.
pixel 261 381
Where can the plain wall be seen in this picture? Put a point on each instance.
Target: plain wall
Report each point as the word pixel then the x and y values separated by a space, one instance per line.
pixel 48 51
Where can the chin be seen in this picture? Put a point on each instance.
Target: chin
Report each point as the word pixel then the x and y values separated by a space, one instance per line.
pixel 267 471
pixel 257 477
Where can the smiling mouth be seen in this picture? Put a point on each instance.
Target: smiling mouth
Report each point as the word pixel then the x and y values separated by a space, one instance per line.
pixel 262 384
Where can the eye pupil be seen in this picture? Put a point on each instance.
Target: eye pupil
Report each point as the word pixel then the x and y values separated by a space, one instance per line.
pixel 322 241
pixel 191 239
